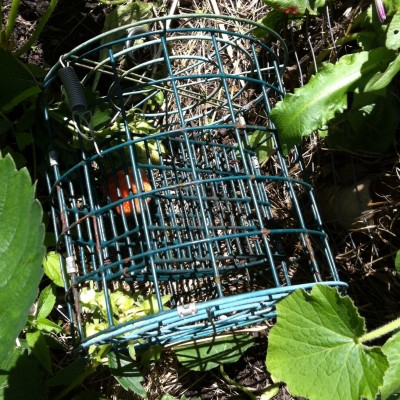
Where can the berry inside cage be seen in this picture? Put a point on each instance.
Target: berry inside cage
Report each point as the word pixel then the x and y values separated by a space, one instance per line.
pixel 167 226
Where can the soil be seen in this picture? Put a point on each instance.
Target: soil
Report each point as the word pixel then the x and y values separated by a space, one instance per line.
pixel 364 257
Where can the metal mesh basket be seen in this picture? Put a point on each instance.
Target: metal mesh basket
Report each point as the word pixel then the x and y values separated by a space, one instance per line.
pixel 156 187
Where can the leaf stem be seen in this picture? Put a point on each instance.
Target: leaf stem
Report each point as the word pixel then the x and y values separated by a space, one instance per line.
pixel 237 385
pixel 12 17
pixel 45 17
pixel 381 331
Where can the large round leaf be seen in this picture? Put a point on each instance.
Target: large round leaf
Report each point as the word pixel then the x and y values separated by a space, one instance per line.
pixel 315 348
pixel 21 250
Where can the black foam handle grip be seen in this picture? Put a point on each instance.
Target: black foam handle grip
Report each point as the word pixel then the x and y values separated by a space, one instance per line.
pixel 74 89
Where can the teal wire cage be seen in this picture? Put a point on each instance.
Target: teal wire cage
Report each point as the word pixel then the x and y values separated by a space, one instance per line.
pixel 156 134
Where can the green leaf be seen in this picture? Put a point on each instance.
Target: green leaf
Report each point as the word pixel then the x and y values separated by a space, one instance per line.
pixel 262 143
pixel 89 395
pixel 312 106
pixel 43 324
pixel 69 374
pixel 382 79
pixel 46 302
pixel 314 348
pixel 370 124
pixel 391 382
pixel 40 350
pixel 52 268
pixel 5 125
pixel 393 33
pixel 16 81
pixel 397 262
pixel 25 378
pixel 205 354
pixel 126 373
pixel 21 250
pixel 296 6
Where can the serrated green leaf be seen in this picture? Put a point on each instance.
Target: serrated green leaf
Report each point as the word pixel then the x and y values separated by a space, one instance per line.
pixel 314 348
pixel 205 354
pixel 312 106
pixel 391 382
pixel 126 373
pixel 38 345
pixel 46 302
pixel 21 250
pixel 52 268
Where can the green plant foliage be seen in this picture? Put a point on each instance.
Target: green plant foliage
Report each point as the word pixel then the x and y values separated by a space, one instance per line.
pixel 393 33
pixel 52 268
pixel 397 262
pixel 21 250
pixel 369 125
pixel 72 372
pixel 40 350
pixel 392 377
pixel 16 81
pixel 382 79
pixel 46 302
pixel 24 377
pixel 296 6
pixel 126 372
pixel 205 354
pixel 262 143
pixel 315 348
pixel 312 106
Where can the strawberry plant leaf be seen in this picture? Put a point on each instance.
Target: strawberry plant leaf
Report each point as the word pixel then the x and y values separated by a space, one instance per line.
pixel 391 382
pixel 21 250
pixel 314 348
pixel 205 354
pixel 312 106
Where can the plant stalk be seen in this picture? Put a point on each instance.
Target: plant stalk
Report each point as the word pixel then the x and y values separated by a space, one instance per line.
pixel 381 331
pixel 237 385
pixel 12 17
pixel 43 21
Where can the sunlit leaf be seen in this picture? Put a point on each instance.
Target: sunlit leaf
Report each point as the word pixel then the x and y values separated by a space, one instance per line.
pixel 52 268
pixel 391 382
pixel 393 33
pixel 312 106
pixel 46 302
pixel 21 250
pixel 314 348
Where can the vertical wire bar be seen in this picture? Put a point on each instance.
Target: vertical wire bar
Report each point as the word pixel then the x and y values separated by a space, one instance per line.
pixel 191 161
